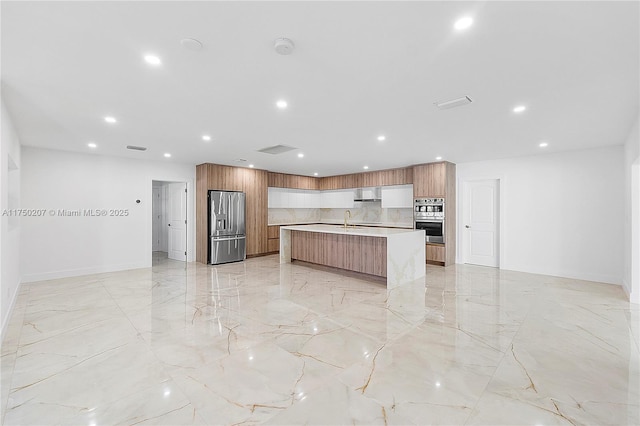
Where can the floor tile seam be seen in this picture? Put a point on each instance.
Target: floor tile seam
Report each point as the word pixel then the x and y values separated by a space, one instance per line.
pixel 161 364
pixel 102 401
pixel 502 359
pixel 125 315
pixel 62 333
pixel 635 338
pixel 5 402
pixel 217 394
pixel 170 378
pixel 386 342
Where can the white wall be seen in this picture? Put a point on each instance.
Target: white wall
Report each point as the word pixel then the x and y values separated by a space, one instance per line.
pixel 10 162
pixel 55 246
pixel 632 214
pixel 562 214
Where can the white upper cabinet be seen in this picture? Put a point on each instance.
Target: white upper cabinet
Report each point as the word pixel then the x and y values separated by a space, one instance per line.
pixel 397 197
pixel 275 198
pixel 312 199
pixel 286 198
pixel 337 199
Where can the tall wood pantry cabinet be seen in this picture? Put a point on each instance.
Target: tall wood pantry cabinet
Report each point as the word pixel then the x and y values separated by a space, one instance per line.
pixel 438 180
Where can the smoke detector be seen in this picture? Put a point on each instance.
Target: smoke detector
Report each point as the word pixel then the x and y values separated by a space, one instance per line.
pixel 283 46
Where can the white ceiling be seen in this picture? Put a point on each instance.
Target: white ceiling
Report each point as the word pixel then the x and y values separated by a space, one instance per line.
pixel 359 69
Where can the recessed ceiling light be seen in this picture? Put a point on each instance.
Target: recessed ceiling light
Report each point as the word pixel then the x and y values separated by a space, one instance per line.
pixel 282 104
pixel 206 138
pixel 92 145
pixel 315 174
pixel 365 167
pixel 300 155
pixel 166 154
pixel 381 138
pixel 519 109
pixel 438 158
pixel 251 165
pixel 152 60
pixel 110 119
pixel 463 23
pixel 543 144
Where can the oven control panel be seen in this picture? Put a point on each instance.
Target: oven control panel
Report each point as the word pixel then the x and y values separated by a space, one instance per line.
pixel 428 208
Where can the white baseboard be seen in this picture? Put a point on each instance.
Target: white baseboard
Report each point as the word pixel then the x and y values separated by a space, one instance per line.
pixel 7 315
pixel 598 278
pixel 627 288
pixel 54 275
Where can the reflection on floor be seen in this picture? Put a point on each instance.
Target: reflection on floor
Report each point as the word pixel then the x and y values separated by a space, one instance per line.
pixel 158 256
pixel 260 342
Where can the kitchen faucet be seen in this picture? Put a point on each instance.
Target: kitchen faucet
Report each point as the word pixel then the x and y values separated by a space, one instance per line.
pixel 347 213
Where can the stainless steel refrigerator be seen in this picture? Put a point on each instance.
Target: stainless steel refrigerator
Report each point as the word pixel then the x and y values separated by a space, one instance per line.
pixel 227 238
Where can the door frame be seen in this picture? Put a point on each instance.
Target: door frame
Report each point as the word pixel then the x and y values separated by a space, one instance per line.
pixel 159 220
pixel 190 214
pixel 460 215
pixel 182 197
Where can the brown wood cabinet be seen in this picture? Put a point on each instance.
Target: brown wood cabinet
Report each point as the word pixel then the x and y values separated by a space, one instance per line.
pixel 399 176
pixel 358 253
pixel 255 188
pixel 435 254
pixel 438 180
pixel 283 180
pixel 430 180
pixel 273 243
pixel 341 181
pixel 250 181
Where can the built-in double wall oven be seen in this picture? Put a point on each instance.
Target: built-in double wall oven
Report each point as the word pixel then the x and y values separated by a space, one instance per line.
pixel 428 214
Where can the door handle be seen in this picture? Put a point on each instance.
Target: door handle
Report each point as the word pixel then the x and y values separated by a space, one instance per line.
pixel 466 226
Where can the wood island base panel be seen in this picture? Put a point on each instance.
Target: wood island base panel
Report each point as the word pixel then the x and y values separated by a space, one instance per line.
pixel 395 254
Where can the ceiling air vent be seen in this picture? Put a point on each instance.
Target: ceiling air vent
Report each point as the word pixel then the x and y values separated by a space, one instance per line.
pixel 277 149
pixel 452 103
pixel 136 148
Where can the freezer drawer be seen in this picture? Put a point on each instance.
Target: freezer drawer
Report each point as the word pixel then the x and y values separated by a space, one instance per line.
pixel 227 249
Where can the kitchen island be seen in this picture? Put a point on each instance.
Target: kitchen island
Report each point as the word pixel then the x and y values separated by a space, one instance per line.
pixel 395 254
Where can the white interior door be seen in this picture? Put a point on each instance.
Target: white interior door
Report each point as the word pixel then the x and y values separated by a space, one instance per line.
pixel 177 220
pixel 157 221
pixel 481 222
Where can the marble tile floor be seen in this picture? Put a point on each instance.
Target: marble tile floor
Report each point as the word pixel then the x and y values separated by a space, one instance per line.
pixel 258 342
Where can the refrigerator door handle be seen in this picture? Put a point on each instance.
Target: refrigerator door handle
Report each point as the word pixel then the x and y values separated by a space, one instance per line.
pixel 242 237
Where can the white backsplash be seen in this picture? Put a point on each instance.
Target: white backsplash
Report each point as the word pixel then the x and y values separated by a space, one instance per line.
pixel 362 212
pixel 288 216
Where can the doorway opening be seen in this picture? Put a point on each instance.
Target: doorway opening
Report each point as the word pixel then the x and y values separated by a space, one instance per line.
pixel 480 227
pixel 169 221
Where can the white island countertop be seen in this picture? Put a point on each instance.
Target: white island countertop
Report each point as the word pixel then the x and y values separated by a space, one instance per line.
pixel 350 230
pixel 400 256
pixel 351 222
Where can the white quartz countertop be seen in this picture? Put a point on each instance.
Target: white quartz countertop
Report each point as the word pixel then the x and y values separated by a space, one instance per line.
pixel 357 230
pixel 351 222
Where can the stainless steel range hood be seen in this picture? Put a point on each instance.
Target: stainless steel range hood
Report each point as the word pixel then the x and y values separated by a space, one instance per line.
pixel 369 194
